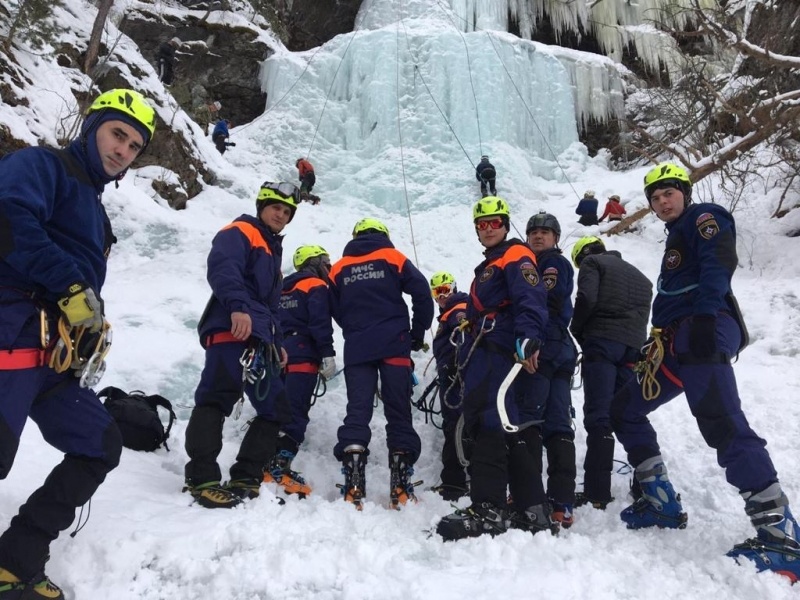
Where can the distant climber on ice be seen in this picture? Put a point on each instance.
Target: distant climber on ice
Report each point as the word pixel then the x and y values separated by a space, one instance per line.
pixel 486 174
pixel 305 171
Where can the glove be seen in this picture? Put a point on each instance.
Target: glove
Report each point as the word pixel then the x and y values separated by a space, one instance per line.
pixel 328 368
pixel 526 348
pixel 230 143
pixel 703 335
pixel 81 306
pixel 417 345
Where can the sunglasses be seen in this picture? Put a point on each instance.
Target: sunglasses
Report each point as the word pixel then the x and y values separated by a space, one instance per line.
pixel 493 224
pixel 442 290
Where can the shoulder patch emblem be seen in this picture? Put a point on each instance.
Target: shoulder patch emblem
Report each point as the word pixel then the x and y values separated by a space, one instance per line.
pixel 672 259
pixel 550 278
pixel 486 275
pixel 707 226
pixel 530 274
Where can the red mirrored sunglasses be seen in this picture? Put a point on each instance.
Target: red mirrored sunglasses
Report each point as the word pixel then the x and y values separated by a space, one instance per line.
pixel 442 290
pixel 493 224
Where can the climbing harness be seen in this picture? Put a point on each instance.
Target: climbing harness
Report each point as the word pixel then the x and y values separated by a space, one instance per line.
pixel 651 363
pixel 79 349
pixel 457 339
pixel 260 364
pixel 428 406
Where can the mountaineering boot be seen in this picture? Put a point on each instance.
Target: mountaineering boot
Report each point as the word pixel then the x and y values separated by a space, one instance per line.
pixel 563 514
pixel 474 521
pixel 534 519
pixel 245 489
pixel 38 588
pixel 279 471
pixel 401 490
pixel 775 547
pixel 659 505
pixel 581 499
pixel 597 468
pixel 213 495
pixel 354 464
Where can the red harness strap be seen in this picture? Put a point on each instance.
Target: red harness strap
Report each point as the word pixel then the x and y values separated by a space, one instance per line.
pixel 303 368
pixel 398 361
pixel 22 358
pixel 223 337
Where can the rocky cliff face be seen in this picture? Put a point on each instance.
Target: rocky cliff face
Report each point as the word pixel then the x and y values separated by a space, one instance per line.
pixel 310 23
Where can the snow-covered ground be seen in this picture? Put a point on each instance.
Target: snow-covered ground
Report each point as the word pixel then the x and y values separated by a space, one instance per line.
pixel 145 540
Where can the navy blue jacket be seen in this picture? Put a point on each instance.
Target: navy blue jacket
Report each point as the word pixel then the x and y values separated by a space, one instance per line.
pixel 558 276
pixel 587 206
pixel 507 286
pixel 54 230
pixel 367 287
pixel 244 271
pixel 485 164
pixel 698 264
pixel 450 317
pixel 221 128
pixel 305 317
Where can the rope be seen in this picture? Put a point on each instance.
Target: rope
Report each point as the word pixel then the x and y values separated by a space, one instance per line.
pixel 647 369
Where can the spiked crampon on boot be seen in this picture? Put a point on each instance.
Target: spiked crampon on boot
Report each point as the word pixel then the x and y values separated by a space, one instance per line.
pixel 401 489
pixel 534 519
pixel 659 505
pixel 451 493
pixel 246 489
pixel 477 520
pixel 354 464
pixel 581 499
pixel 213 495
pixel 279 471
pixel 39 588
pixel 775 547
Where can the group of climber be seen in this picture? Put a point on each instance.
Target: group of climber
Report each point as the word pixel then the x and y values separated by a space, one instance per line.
pixel 270 340
pixel 587 209
pixel 517 314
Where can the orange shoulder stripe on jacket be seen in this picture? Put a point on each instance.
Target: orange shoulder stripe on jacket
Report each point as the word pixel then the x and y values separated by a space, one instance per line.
pixel 515 252
pixel 459 306
pixel 252 234
pixel 306 285
pixel 390 255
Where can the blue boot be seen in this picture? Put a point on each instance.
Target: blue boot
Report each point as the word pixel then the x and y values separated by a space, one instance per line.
pixel 775 547
pixel 659 505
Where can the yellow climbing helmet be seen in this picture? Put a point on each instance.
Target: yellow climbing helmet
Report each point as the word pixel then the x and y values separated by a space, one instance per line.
pixel 490 206
pixel 370 225
pixel 282 192
pixel 584 247
pixel 442 284
pixel 304 253
pixel 129 102
pixel 668 175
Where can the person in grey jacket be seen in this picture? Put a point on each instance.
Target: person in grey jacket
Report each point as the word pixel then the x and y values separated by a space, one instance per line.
pixel 612 309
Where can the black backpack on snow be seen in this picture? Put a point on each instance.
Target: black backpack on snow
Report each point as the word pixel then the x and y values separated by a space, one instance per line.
pixel 137 417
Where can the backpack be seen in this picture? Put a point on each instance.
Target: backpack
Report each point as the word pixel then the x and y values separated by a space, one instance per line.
pixel 137 417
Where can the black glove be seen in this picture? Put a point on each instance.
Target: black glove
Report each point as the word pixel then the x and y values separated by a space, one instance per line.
pixel 526 348
pixel 703 335
pixel 417 345
pixel 81 306
pixel 230 143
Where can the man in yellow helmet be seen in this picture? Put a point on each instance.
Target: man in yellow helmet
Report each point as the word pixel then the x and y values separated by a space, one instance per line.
pixel 697 330
pixel 242 336
pixel 56 238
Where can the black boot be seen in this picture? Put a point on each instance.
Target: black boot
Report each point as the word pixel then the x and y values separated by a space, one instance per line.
pixel 534 519
pixel 477 520
pixel 401 489
pixel 354 465
pixel 597 467
pixel 203 445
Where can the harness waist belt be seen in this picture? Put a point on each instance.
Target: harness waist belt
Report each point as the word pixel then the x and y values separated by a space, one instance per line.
pixel 22 358
pixel 307 367
pixel 223 337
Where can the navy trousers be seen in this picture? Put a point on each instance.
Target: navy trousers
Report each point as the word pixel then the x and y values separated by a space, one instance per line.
pixel 71 419
pixel 300 388
pixel 713 400
pixel 396 389
pixel 219 389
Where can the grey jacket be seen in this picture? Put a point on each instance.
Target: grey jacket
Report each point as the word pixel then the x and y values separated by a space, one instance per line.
pixel 613 300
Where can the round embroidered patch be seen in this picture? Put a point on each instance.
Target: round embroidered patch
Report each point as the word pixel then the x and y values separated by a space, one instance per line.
pixel 487 273
pixel 672 259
